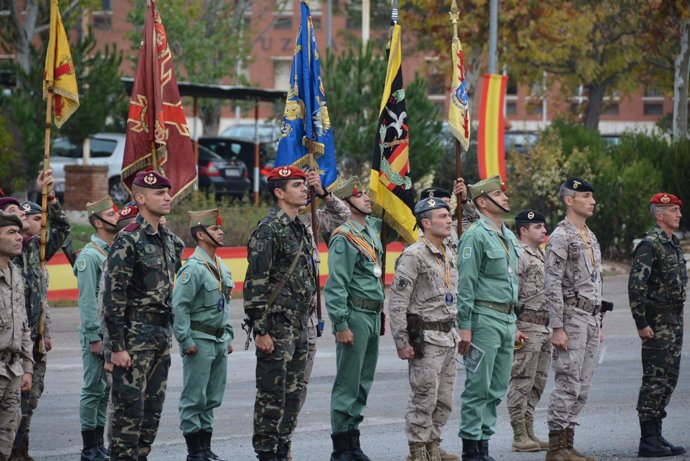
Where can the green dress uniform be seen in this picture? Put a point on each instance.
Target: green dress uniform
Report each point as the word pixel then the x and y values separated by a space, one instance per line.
pixel 354 300
pixel 93 403
pixel 487 297
pixel 201 299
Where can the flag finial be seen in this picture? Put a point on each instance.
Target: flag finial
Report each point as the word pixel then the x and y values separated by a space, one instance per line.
pixel 454 14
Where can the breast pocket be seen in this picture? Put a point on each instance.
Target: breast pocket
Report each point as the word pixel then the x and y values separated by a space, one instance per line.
pixel 495 262
pixel 153 271
pixel 429 286
pixel 211 295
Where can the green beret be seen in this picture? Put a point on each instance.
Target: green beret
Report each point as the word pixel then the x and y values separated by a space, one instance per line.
pixel 205 218
pixel 9 219
pixel 486 185
pixel 429 204
pixel 347 189
pixel 99 206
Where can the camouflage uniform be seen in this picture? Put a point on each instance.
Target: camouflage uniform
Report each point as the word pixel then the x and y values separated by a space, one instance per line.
pixel 272 248
pixel 138 316
pixel 572 288
pixel 35 294
pixel 419 287
pixel 531 362
pixel 656 290
pixel 16 356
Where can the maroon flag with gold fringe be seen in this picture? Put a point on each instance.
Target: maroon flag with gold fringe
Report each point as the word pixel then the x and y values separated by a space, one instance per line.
pixel 158 136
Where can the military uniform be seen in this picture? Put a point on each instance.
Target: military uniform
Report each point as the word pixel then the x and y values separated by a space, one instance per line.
pixel 423 289
pixel 16 357
pixel 657 291
pixel 138 316
pixel 470 215
pixel 278 304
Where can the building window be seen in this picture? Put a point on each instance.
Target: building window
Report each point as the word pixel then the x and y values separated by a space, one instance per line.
pixel 512 88
pixel 282 22
pixel 281 72
pixel 611 108
pixel 283 12
pixel 652 91
pixel 653 108
pixel 511 108
pixel 380 14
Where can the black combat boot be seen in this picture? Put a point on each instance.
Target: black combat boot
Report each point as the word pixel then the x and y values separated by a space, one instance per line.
pixel 341 446
pixel 470 450
pixel 262 456
pixel 99 431
pixel 195 451
pixel 356 453
pixel 675 449
pixel 650 446
pixel 483 447
pixel 283 453
pixel 90 452
pixel 206 445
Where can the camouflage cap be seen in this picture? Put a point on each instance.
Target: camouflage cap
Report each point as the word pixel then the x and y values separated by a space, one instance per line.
pixel 7 201
pixel 99 206
pixel 529 216
pixel 31 208
pixel 578 185
pixel 9 219
pixel 486 185
pixel 429 204
pixel 438 192
pixel 347 189
pixel 205 218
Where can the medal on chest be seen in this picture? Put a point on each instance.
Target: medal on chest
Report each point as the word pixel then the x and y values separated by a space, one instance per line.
pixel 449 299
pixel 377 271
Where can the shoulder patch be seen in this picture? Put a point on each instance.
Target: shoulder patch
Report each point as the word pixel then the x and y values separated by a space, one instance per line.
pixel 339 246
pixel 466 253
pixel 131 227
pixel 185 277
pixel 81 264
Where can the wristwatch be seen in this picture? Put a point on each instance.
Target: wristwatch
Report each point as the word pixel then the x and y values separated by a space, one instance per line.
pixel 324 195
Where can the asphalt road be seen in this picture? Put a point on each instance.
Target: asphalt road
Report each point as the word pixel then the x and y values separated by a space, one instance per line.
pixel 608 425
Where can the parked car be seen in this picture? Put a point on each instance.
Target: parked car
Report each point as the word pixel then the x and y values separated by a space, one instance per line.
pixel 231 149
pixel 520 141
pixel 245 131
pixel 223 176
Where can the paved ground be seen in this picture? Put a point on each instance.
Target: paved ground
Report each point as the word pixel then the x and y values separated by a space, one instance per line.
pixel 608 428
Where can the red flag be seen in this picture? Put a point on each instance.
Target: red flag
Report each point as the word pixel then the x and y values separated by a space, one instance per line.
pixel 157 132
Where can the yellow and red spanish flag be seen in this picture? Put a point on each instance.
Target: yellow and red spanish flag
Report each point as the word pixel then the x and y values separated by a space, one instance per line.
pixel 390 186
pixel 158 136
pixel 491 154
pixel 59 70
pixel 459 107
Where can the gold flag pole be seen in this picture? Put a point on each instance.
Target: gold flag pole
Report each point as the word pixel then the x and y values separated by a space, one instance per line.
pixel 454 14
pixel 44 207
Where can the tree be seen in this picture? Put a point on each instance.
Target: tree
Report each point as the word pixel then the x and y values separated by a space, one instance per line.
pixel 208 39
pixel 354 84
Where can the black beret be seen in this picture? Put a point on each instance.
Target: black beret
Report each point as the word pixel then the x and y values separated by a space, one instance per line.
pixel 578 185
pixel 529 216
pixel 31 208
pixel 438 192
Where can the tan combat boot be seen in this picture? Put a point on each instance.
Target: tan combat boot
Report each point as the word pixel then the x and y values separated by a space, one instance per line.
pixel 418 452
pixel 557 450
pixel 436 453
pixel 570 437
pixel 529 426
pixel 521 441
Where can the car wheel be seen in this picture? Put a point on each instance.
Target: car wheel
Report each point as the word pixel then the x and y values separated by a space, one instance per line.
pixel 117 191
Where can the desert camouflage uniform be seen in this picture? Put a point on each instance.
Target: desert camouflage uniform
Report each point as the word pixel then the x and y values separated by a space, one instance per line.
pixel 35 293
pixel 656 290
pixel 573 289
pixel 16 356
pixel 138 316
pixel 531 362
pixel 272 247
pixel 419 287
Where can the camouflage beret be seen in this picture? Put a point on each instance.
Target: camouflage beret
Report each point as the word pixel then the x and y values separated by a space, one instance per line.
pixel 486 185
pixel 529 216
pixel 205 218
pixel 347 189
pixel 31 208
pixel 9 219
pixel 429 204
pixel 578 185
pixel 438 192
pixel 100 206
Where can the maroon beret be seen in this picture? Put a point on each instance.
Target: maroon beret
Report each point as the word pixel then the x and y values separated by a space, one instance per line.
pixel 151 180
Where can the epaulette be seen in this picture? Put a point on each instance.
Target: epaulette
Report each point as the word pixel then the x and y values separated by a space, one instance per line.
pixel 131 227
pixel 342 229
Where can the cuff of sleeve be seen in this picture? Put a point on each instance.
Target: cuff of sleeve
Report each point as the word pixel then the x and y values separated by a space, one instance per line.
pixel 464 325
pixel 28 366
pixel 260 327
pixel 641 322
pixel 187 344
pixel 342 326
pixel 555 322
pixel 94 337
pixel 401 342
pixel 117 346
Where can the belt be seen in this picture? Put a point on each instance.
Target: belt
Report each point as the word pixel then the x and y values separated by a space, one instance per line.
pixel 160 320
pixel 208 329
pixel 674 306
pixel 500 307
pixel 536 317
pixel 366 304
pixel 439 325
pixel 584 304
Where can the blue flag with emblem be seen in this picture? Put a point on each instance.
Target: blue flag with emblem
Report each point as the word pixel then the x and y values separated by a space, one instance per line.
pixel 305 121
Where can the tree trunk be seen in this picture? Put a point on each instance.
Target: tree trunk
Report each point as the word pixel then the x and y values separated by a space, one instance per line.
pixel 24 32
pixel 594 105
pixel 681 69
pixel 209 112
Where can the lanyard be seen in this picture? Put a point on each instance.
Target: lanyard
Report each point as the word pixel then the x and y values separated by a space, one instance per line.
pixel 588 243
pixel 445 264
pixel 363 244
pixel 500 238
pixel 219 277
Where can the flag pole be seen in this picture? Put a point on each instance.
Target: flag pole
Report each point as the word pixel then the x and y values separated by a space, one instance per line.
pixel 454 16
pixel 44 208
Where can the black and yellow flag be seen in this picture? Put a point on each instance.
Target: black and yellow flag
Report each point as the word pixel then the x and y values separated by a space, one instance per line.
pixel 390 186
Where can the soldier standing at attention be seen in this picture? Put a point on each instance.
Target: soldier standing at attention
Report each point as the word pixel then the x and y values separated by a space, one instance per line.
pixel 201 299
pixel 278 291
pixel 532 355
pixel 16 357
pixel 572 289
pixel 137 308
pixel 656 290
pixel 95 390
pixel 487 297
pixel 354 300
pixel 422 311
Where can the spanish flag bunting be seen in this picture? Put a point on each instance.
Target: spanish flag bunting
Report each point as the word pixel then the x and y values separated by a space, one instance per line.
pixel 491 156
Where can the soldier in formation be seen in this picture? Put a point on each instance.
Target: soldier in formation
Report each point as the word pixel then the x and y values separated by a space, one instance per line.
pixel 138 315
pixel 487 297
pixel 656 290
pixel 95 390
pixel 278 294
pixel 16 349
pixel 201 299
pixel 573 292
pixel 532 355
pixel 422 310
pixel 354 300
